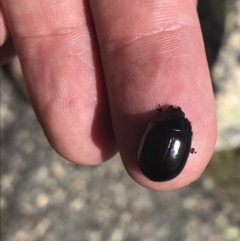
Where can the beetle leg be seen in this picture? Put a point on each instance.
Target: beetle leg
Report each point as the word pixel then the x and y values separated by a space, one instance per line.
pixel 192 151
pixel 159 108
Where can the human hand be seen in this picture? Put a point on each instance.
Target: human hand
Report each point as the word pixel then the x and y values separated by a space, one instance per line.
pixel 96 71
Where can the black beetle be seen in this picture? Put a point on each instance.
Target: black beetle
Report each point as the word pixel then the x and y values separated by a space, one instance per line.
pixel 165 145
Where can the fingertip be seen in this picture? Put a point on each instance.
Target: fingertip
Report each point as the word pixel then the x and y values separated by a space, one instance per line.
pixel 203 142
pixel 81 138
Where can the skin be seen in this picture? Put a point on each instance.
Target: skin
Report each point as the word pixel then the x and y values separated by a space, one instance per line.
pixel 96 72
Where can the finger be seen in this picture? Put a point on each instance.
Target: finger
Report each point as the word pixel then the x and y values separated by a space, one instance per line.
pixel 3 27
pixel 56 47
pixel 153 54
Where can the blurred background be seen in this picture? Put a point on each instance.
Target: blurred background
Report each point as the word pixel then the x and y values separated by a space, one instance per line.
pixel 44 197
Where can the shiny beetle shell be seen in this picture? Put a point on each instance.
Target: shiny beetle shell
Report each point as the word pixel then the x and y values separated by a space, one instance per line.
pixel 165 145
